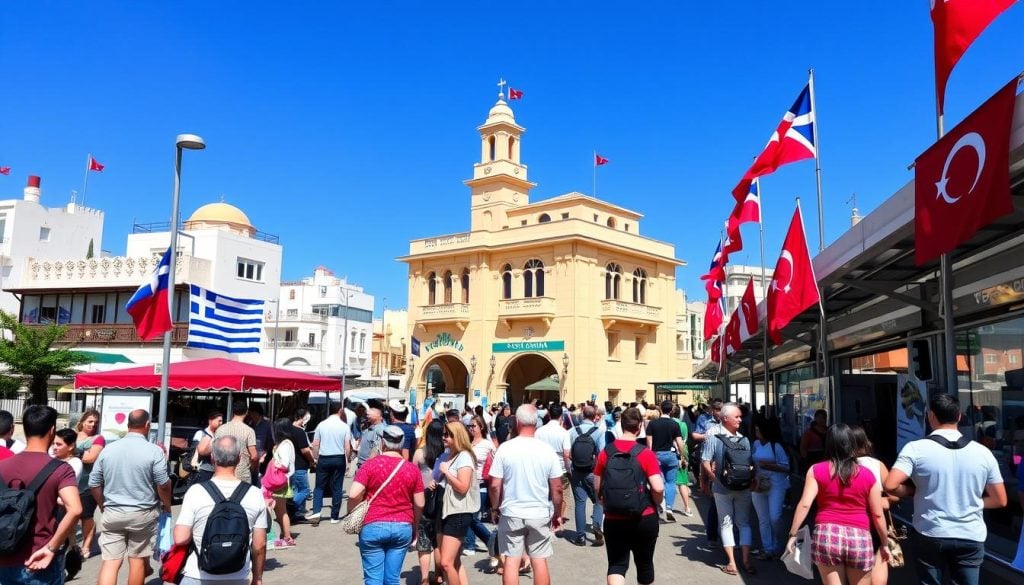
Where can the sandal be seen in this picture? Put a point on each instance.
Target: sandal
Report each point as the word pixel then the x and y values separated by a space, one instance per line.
pixel 749 569
pixel 729 570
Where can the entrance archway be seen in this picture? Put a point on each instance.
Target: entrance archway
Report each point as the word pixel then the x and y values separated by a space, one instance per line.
pixel 445 373
pixel 524 370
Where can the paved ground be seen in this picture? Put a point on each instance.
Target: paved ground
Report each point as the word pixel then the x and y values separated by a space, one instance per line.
pixel 326 554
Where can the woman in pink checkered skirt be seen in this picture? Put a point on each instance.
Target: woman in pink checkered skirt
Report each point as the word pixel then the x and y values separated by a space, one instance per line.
pixel 849 500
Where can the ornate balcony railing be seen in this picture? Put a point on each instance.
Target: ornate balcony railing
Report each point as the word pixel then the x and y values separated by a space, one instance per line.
pixel 613 310
pixel 457 313
pixel 114 334
pixel 529 308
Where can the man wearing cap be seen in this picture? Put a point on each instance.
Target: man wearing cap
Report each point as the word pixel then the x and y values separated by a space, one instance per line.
pixel 332 446
pixel 399 414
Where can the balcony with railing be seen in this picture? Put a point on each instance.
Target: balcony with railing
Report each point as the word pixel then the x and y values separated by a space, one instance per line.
pixel 94 334
pixel 108 271
pixel 457 313
pixel 292 317
pixel 510 310
pixel 291 345
pixel 615 311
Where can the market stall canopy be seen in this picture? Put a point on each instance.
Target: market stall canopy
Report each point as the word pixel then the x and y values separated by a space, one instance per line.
pixel 209 375
pixel 548 384
pixel 97 357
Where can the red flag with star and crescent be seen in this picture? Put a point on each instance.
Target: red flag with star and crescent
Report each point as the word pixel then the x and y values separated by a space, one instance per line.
pixel 957 24
pixel 793 288
pixel 743 321
pixel 962 183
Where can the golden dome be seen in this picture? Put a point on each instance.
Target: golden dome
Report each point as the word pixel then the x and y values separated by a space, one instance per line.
pixel 220 214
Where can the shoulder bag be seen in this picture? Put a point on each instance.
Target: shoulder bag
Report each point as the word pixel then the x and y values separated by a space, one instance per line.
pixel 353 522
pixel 896 559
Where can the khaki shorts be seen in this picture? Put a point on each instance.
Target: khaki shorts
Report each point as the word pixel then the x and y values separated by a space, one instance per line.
pixel 127 533
pixel 517 534
pixel 566 484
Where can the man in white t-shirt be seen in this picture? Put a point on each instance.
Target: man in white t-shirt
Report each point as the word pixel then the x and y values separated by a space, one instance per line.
pixel 526 494
pixel 555 435
pixel 332 448
pixel 196 508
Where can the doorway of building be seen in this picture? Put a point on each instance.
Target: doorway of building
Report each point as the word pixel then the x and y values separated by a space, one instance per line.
pixel 527 369
pixel 445 374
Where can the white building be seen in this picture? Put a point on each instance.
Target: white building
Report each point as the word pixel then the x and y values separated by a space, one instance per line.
pixel 736 278
pixel 28 229
pixel 323 325
pixel 219 249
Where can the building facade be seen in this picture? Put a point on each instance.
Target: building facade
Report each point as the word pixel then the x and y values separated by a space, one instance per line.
pixel 565 292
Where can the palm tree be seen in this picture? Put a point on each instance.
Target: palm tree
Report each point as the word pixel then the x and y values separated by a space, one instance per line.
pixel 28 351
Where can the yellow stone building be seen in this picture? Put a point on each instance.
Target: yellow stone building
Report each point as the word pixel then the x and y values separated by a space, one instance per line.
pixel 563 292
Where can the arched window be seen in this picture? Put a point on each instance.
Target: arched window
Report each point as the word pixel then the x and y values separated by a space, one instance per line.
pixel 490 143
pixel 432 288
pixel 511 147
pixel 506 281
pixel 533 279
pixel 640 286
pixel 544 218
pixel 448 287
pixel 611 222
pixel 465 285
pixel 612 279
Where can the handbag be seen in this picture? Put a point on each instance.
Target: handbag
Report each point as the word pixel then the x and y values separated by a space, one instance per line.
pixel 353 522
pixel 164 538
pixel 172 567
pixel 896 559
pixel 275 478
pixel 799 560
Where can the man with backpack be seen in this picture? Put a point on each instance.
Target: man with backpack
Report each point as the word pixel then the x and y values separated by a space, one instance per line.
pixel 628 481
pixel 223 519
pixel 31 537
pixel 728 459
pixel 586 440
pixel 954 481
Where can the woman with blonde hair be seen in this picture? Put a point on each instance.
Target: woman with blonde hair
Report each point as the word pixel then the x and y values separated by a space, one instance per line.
pixel 461 499
pixel 88 445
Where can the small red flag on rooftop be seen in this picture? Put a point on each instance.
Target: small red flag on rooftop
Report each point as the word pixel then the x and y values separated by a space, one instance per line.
pixel 5 170
pixel 515 94
pixel 599 160
pixel 94 165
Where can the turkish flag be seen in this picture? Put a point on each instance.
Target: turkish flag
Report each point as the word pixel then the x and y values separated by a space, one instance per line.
pixel 5 170
pixel 716 350
pixel 94 165
pixel 713 317
pixel 957 23
pixel 599 160
pixel 515 94
pixel 743 321
pixel 793 288
pixel 962 183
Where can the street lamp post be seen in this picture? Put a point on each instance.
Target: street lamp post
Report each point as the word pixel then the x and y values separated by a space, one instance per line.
pixel 191 142
pixel 387 344
pixel 344 347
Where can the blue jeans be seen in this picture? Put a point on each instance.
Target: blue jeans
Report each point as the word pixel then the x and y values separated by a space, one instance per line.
pixel 382 548
pixel 768 506
pixel 669 463
pixel 52 575
pixel 583 489
pixel 956 558
pixel 300 486
pixel 477 528
pixel 330 468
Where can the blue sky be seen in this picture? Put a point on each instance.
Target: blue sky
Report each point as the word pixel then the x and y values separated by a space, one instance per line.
pixel 348 128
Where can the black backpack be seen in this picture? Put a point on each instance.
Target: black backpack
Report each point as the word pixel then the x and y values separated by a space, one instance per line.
pixel 583 453
pixel 624 486
pixel 960 443
pixel 226 537
pixel 737 463
pixel 18 509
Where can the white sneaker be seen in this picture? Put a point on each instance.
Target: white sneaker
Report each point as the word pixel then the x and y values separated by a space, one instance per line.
pixel 335 520
pixel 469 552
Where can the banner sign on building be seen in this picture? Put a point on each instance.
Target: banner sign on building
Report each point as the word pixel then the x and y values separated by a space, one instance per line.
pixel 911 406
pixel 516 346
pixel 444 340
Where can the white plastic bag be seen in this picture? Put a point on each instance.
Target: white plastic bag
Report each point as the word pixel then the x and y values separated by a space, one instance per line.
pixel 799 561
pixel 164 535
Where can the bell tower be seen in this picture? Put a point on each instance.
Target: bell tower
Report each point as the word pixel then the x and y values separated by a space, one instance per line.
pixel 499 180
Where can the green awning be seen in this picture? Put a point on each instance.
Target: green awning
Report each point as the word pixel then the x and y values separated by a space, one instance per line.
pixel 96 357
pixel 545 384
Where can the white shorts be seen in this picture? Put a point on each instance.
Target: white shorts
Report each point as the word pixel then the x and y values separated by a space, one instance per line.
pixel 517 534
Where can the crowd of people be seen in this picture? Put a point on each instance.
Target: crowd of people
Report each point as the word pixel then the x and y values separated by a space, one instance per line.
pixel 495 481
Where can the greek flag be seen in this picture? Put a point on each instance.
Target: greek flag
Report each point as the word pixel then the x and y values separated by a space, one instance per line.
pixel 223 323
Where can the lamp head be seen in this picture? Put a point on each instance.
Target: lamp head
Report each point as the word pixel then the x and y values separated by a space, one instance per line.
pixel 190 141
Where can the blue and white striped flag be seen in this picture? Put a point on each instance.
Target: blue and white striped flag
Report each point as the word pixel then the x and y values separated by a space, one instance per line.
pixel 223 323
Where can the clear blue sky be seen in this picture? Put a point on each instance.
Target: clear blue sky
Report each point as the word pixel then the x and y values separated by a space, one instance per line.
pixel 348 128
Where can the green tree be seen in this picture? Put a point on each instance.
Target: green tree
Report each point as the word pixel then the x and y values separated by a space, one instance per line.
pixel 89 253
pixel 9 386
pixel 28 350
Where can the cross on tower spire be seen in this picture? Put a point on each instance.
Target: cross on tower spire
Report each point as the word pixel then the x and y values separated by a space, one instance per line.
pixel 501 87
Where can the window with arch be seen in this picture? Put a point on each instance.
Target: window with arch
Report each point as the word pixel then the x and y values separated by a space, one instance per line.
pixel 612 281
pixel 511 147
pixel 640 286
pixel 432 288
pixel 506 281
pixel 465 285
pixel 544 218
pixel 490 146
pixel 447 287
pixel 611 222
pixel 533 278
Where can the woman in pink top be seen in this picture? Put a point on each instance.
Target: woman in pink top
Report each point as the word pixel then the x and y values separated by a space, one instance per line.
pixel 849 501
pixel 395 487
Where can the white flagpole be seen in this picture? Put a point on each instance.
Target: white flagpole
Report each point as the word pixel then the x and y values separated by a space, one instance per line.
pixel 85 183
pixel 822 332
pixel 946 291
pixel 594 160
pixel 764 293
pixel 817 163
pixel 725 311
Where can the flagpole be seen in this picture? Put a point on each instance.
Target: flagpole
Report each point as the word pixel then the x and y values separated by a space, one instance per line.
pixel 85 183
pixel 594 160
pixel 721 334
pixel 764 292
pixel 817 164
pixel 946 290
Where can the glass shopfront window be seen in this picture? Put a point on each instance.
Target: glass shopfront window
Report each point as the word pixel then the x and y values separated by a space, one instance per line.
pixel 991 382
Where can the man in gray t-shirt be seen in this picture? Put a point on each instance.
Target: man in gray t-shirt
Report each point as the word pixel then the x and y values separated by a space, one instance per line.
pixel 955 480
pixel 370 440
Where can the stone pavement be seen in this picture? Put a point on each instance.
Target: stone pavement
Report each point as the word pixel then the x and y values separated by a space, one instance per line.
pixel 325 554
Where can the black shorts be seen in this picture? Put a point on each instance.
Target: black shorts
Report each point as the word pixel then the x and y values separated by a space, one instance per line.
pixel 88 504
pixel 456 524
pixel 633 535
